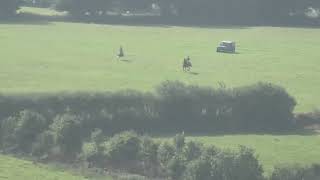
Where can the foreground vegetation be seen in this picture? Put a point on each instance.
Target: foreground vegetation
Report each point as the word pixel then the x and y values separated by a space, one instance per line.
pixel 271 149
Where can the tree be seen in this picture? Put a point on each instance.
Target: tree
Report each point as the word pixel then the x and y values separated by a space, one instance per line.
pixel 68 130
pixel 8 7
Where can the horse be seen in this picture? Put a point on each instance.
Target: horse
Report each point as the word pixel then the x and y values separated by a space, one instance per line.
pixel 186 65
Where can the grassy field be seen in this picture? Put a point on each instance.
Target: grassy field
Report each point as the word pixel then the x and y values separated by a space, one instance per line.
pixel 271 149
pixel 56 56
pixel 15 169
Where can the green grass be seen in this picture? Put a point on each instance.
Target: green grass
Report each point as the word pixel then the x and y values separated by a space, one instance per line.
pixel 271 149
pixel 55 57
pixel 16 169
pixel 82 57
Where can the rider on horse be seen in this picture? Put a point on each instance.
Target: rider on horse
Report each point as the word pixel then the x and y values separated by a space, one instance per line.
pixel 121 53
pixel 187 64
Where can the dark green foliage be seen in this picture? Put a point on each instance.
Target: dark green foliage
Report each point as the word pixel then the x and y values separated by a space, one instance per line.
pixel 244 12
pixel 176 166
pixel 175 107
pixel 179 142
pixel 192 150
pixel 44 143
pixel 149 150
pixel 22 130
pixel 69 132
pixel 199 169
pixel 263 107
pixel 166 152
pixel 8 8
pixel 123 147
pixel 296 172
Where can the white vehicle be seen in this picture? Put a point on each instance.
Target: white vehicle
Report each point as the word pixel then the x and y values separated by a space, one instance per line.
pixel 227 46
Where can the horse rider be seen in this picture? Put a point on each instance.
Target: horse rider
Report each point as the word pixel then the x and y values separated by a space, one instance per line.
pixel 121 53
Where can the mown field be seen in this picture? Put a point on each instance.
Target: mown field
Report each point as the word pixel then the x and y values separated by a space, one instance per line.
pixel 56 56
pixel 16 169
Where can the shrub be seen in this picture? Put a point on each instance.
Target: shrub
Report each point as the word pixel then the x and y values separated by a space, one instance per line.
pixel 123 147
pixel 29 125
pixel 192 150
pixel 44 143
pixel 68 130
pixel 199 169
pixel 295 172
pixel 179 142
pixel 176 167
pixel 8 140
pixel 263 107
pixel 23 129
pixel 149 150
pixel 166 152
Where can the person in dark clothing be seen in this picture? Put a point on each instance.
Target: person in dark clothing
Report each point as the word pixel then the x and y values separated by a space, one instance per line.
pixel 121 53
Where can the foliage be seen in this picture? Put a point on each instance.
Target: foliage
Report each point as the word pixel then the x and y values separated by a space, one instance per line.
pixel 68 130
pixel 295 172
pixel 123 147
pixel 8 7
pixel 23 129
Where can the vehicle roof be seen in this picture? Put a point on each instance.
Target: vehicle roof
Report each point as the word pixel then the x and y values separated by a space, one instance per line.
pixel 227 41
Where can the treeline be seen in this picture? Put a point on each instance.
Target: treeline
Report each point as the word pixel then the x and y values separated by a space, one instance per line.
pixel 203 11
pixel 244 12
pixel 8 8
pixel 173 107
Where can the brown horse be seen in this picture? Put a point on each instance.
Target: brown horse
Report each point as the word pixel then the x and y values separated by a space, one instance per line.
pixel 186 64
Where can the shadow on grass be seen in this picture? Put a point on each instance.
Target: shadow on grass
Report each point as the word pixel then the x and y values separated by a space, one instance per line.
pixel 303 132
pixel 194 73
pixel 126 60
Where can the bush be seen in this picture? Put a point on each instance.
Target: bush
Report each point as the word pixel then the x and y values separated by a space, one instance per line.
pixel 176 167
pixel 263 107
pixel 192 151
pixel 166 152
pixel 23 129
pixel 69 132
pixel 199 169
pixel 8 7
pixel 296 172
pixel 123 147
pixel 44 143
pixel 175 107
pixel 179 142
pixel 149 150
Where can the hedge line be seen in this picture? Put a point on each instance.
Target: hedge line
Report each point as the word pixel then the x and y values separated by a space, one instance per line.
pixel 173 107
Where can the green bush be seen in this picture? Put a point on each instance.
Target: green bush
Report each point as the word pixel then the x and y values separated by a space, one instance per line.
pixel 123 147
pixel 176 167
pixel 192 150
pixel 22 130
pixel 199 169
pixel 166 152
pixel 44 143
pixel 296 172
pixel 8 7
pixel 149 150
pixel 263 107
pixel 175 107
pixel 69 132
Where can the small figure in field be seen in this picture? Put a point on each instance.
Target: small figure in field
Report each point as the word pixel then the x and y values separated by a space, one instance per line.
pixel 186 64
pixel 121 53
